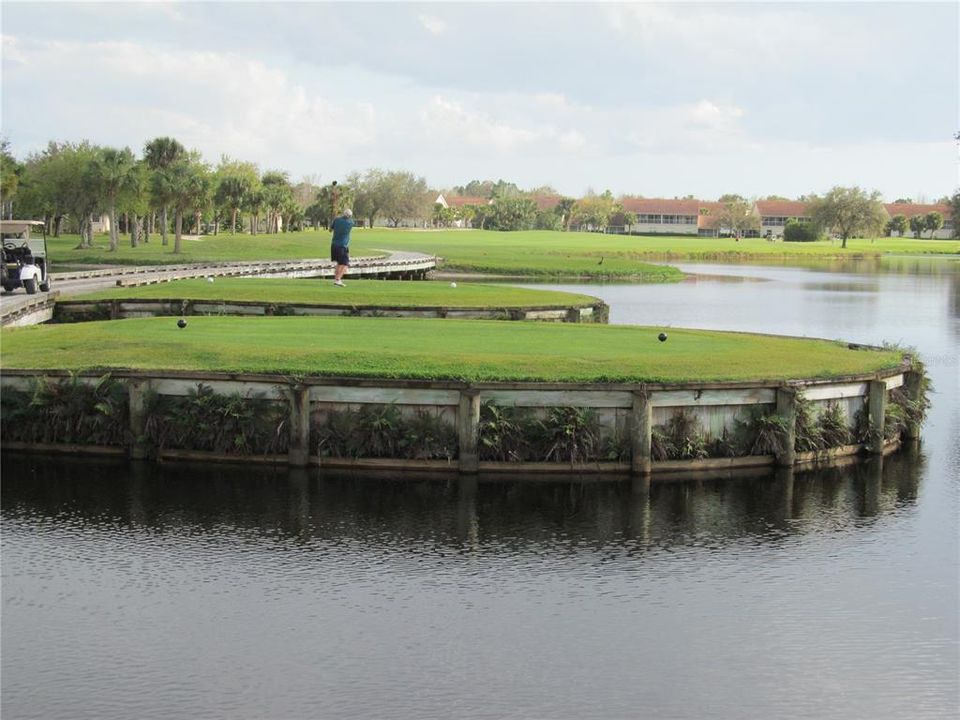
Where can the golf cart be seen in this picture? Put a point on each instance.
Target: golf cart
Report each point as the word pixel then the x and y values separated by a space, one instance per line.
pixel 23 262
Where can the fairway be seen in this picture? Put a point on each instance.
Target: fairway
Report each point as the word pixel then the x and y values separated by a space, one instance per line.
pixel 529 253
pixel 432 350
pixel 356 293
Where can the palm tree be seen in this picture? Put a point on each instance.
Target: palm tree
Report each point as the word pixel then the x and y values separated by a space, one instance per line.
pixel 114 172
pixel 276 190
pixel 161 153
pixel 232 193
pixel 253 204
pixel 162 194
pixel 189 188
pixel 200 192
pixel 564 209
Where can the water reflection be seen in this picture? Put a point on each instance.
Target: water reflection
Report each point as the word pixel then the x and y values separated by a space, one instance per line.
pixel 214 591
pixel 482 514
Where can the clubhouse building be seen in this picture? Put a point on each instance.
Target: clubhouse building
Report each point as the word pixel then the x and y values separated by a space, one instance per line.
pixel 661 216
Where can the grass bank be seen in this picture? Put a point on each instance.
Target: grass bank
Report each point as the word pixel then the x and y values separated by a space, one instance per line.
pixel 533 254
pixel 432 349
pixel 356 293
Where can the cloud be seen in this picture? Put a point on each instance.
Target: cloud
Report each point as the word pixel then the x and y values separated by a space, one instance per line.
pixel 764 38
pixel 116 92
pixel 452 120
pixel 433 25
pixel 704 127
pixel 11 51
pixel 529 133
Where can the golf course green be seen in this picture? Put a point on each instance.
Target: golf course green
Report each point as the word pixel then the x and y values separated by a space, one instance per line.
pixel 471 350
pixel 356 293
pixel 529 253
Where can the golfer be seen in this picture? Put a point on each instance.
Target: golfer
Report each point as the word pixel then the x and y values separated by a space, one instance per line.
pixel 340 245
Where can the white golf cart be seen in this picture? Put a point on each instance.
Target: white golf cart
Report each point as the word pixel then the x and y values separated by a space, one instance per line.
pixel 23 262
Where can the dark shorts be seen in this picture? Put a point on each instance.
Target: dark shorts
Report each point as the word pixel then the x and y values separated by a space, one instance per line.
pixel 340 254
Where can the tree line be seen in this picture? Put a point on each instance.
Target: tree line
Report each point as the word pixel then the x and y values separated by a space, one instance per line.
pixel 168 189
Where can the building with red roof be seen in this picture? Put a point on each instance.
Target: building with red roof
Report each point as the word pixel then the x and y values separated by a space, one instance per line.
pixel 909 210
pixel 662 216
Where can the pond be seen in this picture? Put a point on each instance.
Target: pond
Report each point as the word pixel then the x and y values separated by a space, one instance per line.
pixel 235 592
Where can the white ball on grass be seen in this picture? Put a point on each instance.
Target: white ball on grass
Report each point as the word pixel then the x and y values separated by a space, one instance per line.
pixel 453 284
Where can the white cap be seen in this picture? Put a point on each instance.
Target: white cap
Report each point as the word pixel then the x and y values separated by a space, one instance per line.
pixel 348 213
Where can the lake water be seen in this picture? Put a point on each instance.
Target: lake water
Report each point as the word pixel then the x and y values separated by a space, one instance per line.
pixel 231 592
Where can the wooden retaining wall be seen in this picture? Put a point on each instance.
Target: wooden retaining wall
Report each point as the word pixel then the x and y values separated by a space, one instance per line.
pixel 83 310
pixel 625 410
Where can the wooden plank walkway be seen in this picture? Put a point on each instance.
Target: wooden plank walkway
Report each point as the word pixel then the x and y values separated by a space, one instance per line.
pixel 20 309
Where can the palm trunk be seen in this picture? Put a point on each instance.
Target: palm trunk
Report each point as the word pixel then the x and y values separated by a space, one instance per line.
pixel 197 216
pixel 114 234
pixel 163 225
pixel 135 228
pixel 83 234
pixel 178 223
pixel 233 221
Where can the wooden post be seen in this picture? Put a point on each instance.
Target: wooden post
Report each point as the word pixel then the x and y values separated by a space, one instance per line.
pixel 876 410
pixel 787 409
pixel 298 454
pixel 641 429
pixel 136 392
pixel 912 384
pixel 873 484
pixel 468 428
pixel 468 526
pixel 784 479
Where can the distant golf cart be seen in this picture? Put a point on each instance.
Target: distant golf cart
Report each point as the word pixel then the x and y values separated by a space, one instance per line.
pixel 24 259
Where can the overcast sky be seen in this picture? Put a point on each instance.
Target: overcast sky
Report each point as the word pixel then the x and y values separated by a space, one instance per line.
pixel 658 99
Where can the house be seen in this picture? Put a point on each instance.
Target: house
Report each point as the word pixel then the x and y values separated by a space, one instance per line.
pixel 459 201
pixel 100 223
pixel 546 202
pixel 910 210
pixel 708 219
pixel 775 214
pixel 661 216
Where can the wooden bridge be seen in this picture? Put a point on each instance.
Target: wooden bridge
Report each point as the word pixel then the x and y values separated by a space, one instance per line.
pixel 20 309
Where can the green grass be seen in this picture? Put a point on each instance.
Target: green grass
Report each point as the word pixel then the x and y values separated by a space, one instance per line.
pixel 374 293
pixel 552 253
pixel 530 252
pixel 431 349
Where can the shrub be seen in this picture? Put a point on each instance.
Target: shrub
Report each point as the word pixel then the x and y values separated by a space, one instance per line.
pixel 679 439
pixel 615 448
pixel 660 445
pixel 808 435
pixel 429 437
pixel 338 436
pixel 901 410
pixel 565 434
pixel 795 231
pixel 381 431
pixel 67 411
pixel 205 420
pixel 724 446
pixel 570 434
pixel 762 433
pixel 833 426
pixel 505 433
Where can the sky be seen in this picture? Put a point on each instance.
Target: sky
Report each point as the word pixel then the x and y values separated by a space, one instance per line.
pixel 651 99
